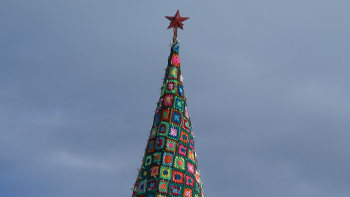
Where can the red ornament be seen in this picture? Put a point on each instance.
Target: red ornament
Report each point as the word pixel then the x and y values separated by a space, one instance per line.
pixel 176 21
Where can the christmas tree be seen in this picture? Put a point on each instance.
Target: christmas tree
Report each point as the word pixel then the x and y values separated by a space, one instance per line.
pixel 169 166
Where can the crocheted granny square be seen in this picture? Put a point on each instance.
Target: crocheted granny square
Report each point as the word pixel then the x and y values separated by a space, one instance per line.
pixel 159 105
pixel 163 186
pixel 157 157
pixel 153 132
pixel 175 190
pixel 198 188
pixel 180 90
pixel 197 177
pixel 176 117
pixel 151 146
pixel 173 132
pixel 168 100
pixel 191 156
pixel 162 89
pixel 182 150
pixel 187 192
pixel 163 129
pixel 145 173
pixel 190 168
pixel 152 185
pixel 186 125
pixel 179 103
pixel 178 177
pixel 186 112
pixel 191 144
pixel 189 180
pixel 165 173
pixel 176 47
pixel 148 160
pixel 142 187
pixel 172 73
pixel 156 119
pixel 165 114
pixel 170 145
pixel 160 143
pixel 184 138
pixel 154 171
pixel 171 86
pixel 179 163
pixel 168 159
pixel 136 188
pixel 175 60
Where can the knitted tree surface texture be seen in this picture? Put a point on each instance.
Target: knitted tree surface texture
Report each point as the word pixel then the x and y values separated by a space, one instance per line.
pixel 169 166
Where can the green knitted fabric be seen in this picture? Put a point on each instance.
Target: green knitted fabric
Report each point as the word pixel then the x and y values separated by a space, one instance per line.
pixel 169 166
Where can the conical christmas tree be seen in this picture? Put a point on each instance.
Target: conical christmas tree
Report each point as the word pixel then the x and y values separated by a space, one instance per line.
pixel 169 166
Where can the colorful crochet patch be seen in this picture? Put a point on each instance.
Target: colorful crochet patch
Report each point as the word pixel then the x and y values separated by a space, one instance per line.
pixel 163 186
pixel 191 144
pixel 184 137
pixel 172 73
pixel 189 180
pixel 142 187
pixel 162 89
pixel 170 145
pixel 168 100
pixel 176 117
pixel 160 142
pixel 186 125
pixel 173 132
pixel 171 86
pixel 144 173
pixel 165 173
pixel 151 146
pixel 182 150
pixel 157 157
pixel 179 163
pixel 187 192
pixel 186 112
pixel 163 129
pixel 148 160
pixel 136 188
pixel 159 105
pixel 191 156
pixel 179 104
pixel 175 60
pixel 176 47
pixel 168 159
pixel 190 168
pixel 152 185
pixel 156 119
pixel 197 177
pixel 165 114
pixel 178 177
pixel 198 188
pixel 180 90
pixel 175 190
pixel 153 132
pixel 154 171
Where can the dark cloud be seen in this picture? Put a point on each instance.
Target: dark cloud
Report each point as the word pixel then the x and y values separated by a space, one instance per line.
pixel 267 86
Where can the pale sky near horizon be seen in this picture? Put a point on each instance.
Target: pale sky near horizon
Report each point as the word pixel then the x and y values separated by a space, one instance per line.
pixel 267 85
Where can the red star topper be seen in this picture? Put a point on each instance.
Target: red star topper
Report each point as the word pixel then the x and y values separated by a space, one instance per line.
pixel 176 21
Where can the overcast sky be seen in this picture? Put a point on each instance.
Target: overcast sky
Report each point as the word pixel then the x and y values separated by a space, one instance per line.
pixel 267 83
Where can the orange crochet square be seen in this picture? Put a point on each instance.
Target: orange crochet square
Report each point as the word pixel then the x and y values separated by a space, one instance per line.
pixel 165 114
pixel 168 159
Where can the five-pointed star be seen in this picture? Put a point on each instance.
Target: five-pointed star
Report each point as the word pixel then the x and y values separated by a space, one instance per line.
pixel 176 21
